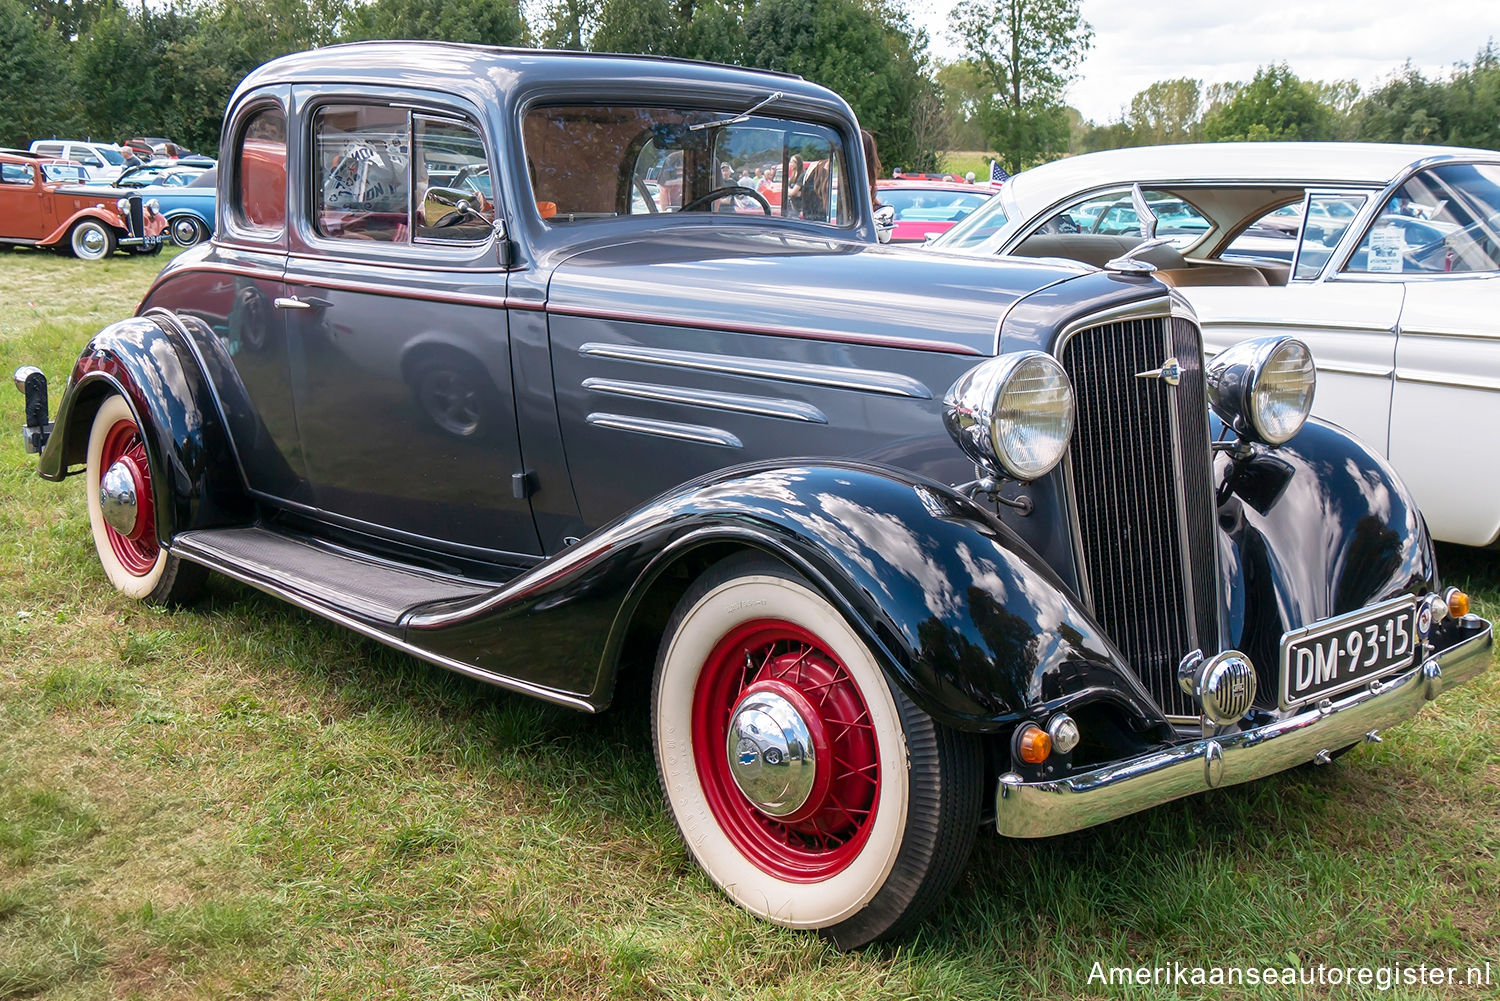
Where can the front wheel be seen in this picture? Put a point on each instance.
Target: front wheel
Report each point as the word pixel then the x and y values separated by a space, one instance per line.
pixel 91 240
pixel 186 231
pixel 122 514
pixel 810 790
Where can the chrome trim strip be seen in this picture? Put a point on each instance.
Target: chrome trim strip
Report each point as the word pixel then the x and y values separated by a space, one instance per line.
pixel 833 376
pixel 1480 383
pixel 1043 809
pixel 1480 335
pixel 699 433
pixel 804 333
pixel 1342 368
pixel 187 551
pixel 1252 321
pixel 762 406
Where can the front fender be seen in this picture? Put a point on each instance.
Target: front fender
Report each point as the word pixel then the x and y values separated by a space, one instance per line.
pixel 961 614
pixel 1315 528
pixel 195 475
pixel 108 217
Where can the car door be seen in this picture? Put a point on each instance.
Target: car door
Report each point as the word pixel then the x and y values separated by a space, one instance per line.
pixel 1347 320
pixel 21 216
pixel 395 314
pixel 1447 388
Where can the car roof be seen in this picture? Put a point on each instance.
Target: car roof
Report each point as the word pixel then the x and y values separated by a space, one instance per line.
pixel 24 154
pixel 1374 164
pixel 488 73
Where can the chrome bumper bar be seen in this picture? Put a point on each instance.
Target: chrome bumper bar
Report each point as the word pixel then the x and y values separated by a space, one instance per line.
pixel 1042 809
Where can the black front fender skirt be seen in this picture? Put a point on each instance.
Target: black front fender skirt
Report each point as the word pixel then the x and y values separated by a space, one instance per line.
pixel 964 618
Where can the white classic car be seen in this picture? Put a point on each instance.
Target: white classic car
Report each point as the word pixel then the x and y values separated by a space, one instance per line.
pixel 1385 259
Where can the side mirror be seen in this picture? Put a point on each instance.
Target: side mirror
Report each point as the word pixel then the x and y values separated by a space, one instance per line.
pixel 885 223
pixel 447 207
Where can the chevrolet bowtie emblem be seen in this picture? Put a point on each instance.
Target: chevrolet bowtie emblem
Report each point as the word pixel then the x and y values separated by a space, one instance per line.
pixel 1170 372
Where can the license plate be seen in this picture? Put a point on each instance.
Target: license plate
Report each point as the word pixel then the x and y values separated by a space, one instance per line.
pixel 1337 654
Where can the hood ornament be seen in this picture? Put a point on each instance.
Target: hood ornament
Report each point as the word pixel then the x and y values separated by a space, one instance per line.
pixel 1129 262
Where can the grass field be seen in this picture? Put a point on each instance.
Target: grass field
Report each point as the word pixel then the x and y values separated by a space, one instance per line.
pixel 239 800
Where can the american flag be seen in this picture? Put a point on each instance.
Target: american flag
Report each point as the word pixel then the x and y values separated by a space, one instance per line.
pixel 997 172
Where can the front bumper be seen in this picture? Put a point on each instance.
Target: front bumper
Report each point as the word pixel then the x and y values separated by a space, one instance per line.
pixel 1042 809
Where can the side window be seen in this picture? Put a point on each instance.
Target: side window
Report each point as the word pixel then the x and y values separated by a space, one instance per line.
pixel 1443 219
pixel 49 149
pixel 16 173
pixel 1328 218
pixel 454 187
pixel 260 173
pixel 362 173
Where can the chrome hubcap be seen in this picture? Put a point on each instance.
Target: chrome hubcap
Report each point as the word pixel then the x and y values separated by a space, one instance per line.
pixel 119 501
pixel 93 241
pixel 770 749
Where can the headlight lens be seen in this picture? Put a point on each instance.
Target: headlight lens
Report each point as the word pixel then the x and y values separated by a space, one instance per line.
pixel 1264 387
pixel 123 206
pixel 154 206
pixel 1012 414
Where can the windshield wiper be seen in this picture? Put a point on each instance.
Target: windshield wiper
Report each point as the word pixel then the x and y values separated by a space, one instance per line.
pixel 743 116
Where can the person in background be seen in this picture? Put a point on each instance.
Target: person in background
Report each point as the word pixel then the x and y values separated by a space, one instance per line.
pixel 872 163
pixel 792 203
pixel 969 177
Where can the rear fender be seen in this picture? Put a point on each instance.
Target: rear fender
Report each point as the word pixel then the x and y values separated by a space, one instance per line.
pixel 151 362
pixel 962 616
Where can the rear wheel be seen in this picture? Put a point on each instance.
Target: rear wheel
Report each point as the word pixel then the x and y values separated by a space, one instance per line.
pixel 810 790
pixel 91 240
pixel 122 514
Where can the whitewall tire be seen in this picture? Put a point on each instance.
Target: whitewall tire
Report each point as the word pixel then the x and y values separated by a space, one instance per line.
pixel 118 474
pixel 880 823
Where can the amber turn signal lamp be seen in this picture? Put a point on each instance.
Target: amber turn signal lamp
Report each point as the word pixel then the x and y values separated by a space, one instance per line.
pixel 1034 745
pixel 1458 603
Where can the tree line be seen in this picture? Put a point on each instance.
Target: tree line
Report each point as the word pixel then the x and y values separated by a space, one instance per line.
pixel 111 70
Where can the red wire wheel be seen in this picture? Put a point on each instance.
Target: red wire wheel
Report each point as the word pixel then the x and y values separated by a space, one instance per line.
pixel 137 551
pixel 826 833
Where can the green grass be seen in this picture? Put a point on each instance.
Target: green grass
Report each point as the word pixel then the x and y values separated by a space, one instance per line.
pixel 239 800
pixel 960 162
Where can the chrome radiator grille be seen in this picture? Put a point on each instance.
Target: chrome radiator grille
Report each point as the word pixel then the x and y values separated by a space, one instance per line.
pixel 1141 470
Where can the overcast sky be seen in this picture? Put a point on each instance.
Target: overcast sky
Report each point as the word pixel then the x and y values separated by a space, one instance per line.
pixel 1216 41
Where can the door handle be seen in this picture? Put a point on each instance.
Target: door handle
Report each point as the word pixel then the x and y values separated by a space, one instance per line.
pixel 292 302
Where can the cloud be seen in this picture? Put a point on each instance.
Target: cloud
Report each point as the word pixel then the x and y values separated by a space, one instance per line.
pixel 1137 44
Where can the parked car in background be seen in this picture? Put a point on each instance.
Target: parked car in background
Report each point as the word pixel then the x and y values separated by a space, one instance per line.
pixel 42 205
pixel 1385 259
pixel 101 162
pixel 161 174
pixel 147 147
pixel 928 208
pixel 899 543
pixel 188 207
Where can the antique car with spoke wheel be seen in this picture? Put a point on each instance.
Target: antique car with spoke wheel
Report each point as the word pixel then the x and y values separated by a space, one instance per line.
pixel 902 545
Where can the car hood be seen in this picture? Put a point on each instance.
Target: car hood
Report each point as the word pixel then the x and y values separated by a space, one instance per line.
pixel 780 283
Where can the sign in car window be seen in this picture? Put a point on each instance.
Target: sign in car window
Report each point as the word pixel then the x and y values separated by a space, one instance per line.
pixel 1442 220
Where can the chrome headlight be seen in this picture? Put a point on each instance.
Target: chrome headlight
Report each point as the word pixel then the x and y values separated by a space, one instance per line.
pixel 1012 414
pixel 154 206
pixel 1263 387
pixel 123 206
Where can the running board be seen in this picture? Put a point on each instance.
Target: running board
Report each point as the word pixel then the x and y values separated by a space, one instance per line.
pixel 372 591
pixel 369 596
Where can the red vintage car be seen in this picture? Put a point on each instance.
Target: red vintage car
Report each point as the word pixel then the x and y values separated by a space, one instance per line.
pixel 44 204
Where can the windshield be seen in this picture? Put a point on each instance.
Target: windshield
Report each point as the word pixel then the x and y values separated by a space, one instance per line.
pixel 591 162
pixel 62 172
pixel 933 204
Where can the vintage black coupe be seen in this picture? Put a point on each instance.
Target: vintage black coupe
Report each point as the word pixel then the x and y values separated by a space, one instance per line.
pixel 493 358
